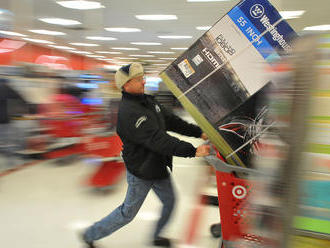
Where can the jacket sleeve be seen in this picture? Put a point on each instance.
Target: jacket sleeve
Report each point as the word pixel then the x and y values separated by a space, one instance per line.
pixel 176 124
pixel 143 129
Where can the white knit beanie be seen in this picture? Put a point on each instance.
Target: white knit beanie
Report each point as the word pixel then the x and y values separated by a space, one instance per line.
pixel 128 72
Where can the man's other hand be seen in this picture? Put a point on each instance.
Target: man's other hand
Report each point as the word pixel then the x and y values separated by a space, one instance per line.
pixel 202 151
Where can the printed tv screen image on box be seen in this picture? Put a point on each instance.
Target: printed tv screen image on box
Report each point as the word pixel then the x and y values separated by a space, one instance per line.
pixel 220 78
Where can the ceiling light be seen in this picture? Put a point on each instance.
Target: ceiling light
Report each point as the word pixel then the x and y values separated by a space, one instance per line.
pixel 179 48
pixel 123 30
pixel 82 52
pixel 167 58
pixel 161 64
pixel 84 44
pixel 207 1
pixel 60 21
pixel 146 43
pixel 142 55
pixel 62 47
pixel 124 58
pixel 95 56
pixel 318 28
pixel 106 52
pixel 112 67
pixel 100 38
pixel 292 14
pixel 160 52
pixel 153 60
pixel 39 41
pixel 12 33
pixel 175 37
pixel 203 27
pixel 48 32
pixel 81 4
pixel 156 17
pixel 126 48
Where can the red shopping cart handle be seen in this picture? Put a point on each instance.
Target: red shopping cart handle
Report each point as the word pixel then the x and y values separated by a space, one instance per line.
pixel 222 166
pixel 219 163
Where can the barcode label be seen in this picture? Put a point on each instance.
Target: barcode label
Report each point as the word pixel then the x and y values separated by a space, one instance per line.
pixel 197 59
pixel 186 68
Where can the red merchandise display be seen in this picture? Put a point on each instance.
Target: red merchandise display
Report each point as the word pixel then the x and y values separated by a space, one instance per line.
pixel 64 151
pixel 15 51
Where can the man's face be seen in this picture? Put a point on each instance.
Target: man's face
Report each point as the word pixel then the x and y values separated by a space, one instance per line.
pixel 135 85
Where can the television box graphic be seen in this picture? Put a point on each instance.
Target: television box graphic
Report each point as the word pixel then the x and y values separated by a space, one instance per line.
pixel 220 78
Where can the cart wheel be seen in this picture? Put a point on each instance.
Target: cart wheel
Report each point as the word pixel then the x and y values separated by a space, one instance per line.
pixel 216 230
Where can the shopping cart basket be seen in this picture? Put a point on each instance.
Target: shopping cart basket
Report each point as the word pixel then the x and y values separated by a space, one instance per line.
pixel 233 193
pixel 107 151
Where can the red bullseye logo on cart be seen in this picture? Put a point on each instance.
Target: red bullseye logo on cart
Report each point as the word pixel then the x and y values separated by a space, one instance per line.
pixel 257 11
pixel 239 192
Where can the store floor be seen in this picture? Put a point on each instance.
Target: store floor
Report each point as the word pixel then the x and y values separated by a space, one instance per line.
pixel 46 205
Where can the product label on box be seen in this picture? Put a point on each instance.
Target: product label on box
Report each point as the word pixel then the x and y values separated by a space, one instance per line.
pixel 186 68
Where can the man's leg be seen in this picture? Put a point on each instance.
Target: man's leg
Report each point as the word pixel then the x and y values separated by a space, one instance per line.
pixel 136 193
pixel 165 192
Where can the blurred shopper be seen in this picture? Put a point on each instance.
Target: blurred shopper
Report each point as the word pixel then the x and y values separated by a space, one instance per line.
pixel 66 102
pixel 148 151
pixel 62 114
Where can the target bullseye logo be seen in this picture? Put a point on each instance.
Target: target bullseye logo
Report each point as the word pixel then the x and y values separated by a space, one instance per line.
pixel 239 192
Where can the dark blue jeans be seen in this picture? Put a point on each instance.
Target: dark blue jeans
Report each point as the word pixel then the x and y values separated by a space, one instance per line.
pixel 136 193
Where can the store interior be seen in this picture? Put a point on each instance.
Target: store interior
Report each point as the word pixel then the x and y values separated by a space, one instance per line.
pixel 61 168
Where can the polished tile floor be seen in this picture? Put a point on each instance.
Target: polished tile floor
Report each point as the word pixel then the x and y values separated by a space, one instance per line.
pixel 46 205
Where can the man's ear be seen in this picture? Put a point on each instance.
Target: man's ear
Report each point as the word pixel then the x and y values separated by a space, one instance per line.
pixel 125 86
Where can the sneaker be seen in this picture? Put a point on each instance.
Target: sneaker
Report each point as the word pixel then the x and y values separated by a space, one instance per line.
pixel 160 241
pixel 88 244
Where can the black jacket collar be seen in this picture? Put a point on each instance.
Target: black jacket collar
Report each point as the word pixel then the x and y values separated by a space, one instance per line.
pixel 136 97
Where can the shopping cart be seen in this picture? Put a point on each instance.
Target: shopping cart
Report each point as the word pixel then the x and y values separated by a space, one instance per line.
pixel 233 193
pixel 105 150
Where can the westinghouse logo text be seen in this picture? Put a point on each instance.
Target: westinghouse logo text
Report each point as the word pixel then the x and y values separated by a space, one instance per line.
pixel 258 11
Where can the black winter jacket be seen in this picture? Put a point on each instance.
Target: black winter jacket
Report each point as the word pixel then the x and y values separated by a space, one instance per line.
pixel 147 148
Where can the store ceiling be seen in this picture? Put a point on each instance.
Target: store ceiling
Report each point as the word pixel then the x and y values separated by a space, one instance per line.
pixel 121 13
